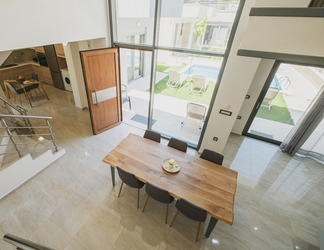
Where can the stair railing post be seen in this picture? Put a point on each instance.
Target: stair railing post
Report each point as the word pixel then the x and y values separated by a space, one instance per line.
pixel 11 137
pixel 52 135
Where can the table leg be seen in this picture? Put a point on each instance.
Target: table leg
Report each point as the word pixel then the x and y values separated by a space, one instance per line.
pixel 112 169
pixel 211 225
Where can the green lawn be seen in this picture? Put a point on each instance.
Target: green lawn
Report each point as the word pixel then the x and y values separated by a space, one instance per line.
pixel 278 112
pixel 183 92
pixel 163 67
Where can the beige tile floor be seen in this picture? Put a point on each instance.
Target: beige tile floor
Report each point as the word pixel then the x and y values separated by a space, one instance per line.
pixel 72 205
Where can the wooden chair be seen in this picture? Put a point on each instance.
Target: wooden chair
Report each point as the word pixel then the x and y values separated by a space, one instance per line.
pixel 191 211
pixel 212 156
pixel 130 180
pixel 160 195
pixel 152 135
pixel 178 144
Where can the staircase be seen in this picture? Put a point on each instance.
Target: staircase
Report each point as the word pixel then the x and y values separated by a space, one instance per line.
pixel 27 146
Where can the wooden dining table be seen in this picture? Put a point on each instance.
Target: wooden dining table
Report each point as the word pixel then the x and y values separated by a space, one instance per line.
pixel 201 182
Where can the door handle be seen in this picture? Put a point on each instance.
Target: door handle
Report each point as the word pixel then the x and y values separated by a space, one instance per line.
pixel 96 98
pixel 258 105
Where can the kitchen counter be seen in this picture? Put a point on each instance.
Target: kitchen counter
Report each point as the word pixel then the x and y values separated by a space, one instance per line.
pixel 16 65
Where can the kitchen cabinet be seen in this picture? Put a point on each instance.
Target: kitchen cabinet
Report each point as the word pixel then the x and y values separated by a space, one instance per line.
pixel 40 49
pixel 59 50
pixel 43 73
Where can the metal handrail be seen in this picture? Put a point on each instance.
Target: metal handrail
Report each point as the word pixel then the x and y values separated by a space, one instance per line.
pixel 19 109
pixel 31 132
pixel 26 116
pixel 23 244
pixel 22 111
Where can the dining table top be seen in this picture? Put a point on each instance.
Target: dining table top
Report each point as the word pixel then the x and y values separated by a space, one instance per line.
pixel 201 182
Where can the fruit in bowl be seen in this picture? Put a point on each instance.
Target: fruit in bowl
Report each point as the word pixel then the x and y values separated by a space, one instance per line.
pixel 20 79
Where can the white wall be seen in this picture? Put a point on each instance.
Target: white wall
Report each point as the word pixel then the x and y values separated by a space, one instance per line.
pixel 290 35
pixel 281 3
pixel 256 86
pixel 38 22
pixel 237 77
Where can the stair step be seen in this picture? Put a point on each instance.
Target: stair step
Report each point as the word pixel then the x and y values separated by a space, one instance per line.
pixel 27 145
pixel 25 168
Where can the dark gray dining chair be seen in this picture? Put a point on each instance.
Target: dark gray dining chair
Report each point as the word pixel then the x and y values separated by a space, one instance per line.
pixel 18 89
pixel 191 211
pixel 178 144
pixel 152 135
pixel 160 195
pixel 212 156
pixel 130 180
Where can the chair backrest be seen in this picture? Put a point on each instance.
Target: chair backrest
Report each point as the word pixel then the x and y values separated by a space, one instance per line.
pixel 284 82
pixel 158 194
pixel 195 110
pixel 35 76
pixel 212 156
pixel 191 211
pixel 129 178
pixel 174 76
pixel 152 135
pixel 178 144
pixel 198 81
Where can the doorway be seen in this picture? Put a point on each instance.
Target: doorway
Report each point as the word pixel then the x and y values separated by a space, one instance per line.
pixel 135 90
pixel 289 94
pixel 134 59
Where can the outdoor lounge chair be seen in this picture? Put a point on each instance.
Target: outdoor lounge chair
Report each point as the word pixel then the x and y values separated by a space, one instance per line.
pixel 196 112
pixel 198 84
pixel 125 96
pixel 175 79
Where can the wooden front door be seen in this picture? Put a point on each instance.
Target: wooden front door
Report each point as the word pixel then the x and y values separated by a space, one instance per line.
pixel 101 75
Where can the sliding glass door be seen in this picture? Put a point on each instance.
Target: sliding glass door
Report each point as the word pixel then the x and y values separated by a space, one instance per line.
pixel 184 38
pixel 291 91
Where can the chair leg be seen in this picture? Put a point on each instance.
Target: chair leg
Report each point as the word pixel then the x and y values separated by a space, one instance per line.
pixel 198 231
pixel 130 104
pixel 30 94
pixel 26 95
pixel 138 194
pixel 39 92
pixel 121 186
pixel 146 202
pixel 174 218
pixel 166 214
